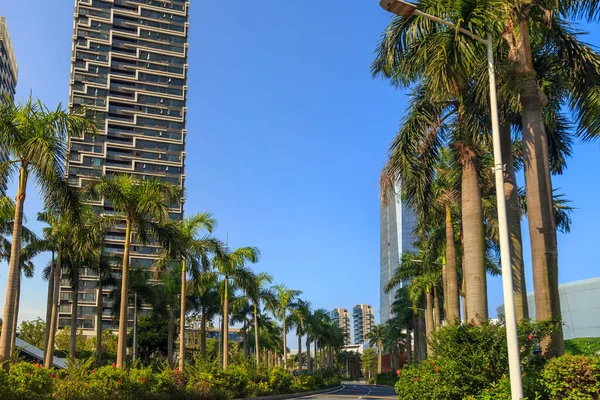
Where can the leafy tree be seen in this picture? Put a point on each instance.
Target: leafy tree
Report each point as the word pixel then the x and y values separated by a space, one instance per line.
pixel 369 361
pixel 33 332
pixel 34 138
pixel 204 298
pixel 258 291
pixel 152 336
pixel 285 297
pixel 376 338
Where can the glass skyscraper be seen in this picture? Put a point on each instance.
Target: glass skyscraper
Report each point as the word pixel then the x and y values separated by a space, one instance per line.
pixel 8 79
pixel 129 67
pixel 397 222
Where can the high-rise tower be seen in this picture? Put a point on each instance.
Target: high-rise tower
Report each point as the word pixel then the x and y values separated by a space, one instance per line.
pixel 341 317
pixel 8 79
pixel 129 66
pixel 364 320
pixel 397 222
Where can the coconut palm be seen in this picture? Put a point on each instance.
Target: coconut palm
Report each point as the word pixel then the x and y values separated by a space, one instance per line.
pixel 316 324
pixel 298 318
pixel 34 139
pixel 144 206
pixel 231 266
pixel 193 254
pixel 376 337
pixel 258 291
pixel 285 297
pixel 205 300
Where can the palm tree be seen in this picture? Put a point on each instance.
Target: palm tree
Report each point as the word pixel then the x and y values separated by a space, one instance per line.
pixel 194 257
pixel 404 317
pixel 34 138
pixel 205 299
pixel 144 205
pixel 231 266
pixel 376 337
pixel 258 291
pixel 285 297
pixel 298 318
pixel 316 324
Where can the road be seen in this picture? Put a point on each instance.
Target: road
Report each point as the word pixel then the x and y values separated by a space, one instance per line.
pixel 354 390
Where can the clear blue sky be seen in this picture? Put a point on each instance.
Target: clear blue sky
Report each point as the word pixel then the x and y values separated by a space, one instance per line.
pixel 287 133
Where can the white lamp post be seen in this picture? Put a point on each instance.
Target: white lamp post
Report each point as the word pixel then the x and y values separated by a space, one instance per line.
pixel 405 9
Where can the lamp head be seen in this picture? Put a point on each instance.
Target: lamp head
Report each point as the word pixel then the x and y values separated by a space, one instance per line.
pixel 398 7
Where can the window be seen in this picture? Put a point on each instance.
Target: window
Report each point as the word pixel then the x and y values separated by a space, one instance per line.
pixel 64 308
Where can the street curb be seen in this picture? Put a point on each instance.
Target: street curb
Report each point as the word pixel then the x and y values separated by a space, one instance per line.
pixel 292 395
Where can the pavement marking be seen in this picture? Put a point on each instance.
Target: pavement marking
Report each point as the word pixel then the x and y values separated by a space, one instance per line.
pixel 335 391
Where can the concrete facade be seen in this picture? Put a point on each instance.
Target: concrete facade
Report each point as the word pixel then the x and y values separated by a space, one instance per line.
pixel 341 317
pixel 364 319
pixel 129 68
pixel 397 223
pixel 580 308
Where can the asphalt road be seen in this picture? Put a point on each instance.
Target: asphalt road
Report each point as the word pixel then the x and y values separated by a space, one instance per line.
pixel 353 390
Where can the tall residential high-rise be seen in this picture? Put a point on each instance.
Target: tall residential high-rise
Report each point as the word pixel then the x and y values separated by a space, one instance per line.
pixel 129 67
pixel 397 222
pixel 341 317
pixel 9 72
pixel 364 320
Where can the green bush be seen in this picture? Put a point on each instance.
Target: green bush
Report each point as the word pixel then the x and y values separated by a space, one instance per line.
pixel 280 381
pixel 28 381
pixel 583 347
pixel 573 377
pixel 386 378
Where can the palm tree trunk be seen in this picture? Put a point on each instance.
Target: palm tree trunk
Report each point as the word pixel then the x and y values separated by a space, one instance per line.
pixel 225 332
pixel 16 313
pixel 134 347
pixel 13 271
pixel 170 336
pixel 451 291
pixel 256 332
pixel 540 213
pixel 513 215
pixel 182 318
pixel 75 303
pixel 284 336
pixel 422 339
pixel 203 333
pixel 429 327
pixel 49 301
pixel 99 311
pixel 316 367
pixel 464 300
pixel 474 247
pixel 417 338
pixel 123 316
pixel 408 347
pixel 437 311
pixel 308 358
pixel 299 352
pixel 379 357
pixel 49 353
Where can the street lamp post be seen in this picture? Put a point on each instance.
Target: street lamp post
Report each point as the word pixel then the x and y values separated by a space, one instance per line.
pixel 405 9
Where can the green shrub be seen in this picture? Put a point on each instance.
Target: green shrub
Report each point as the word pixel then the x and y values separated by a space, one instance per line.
pixel 280 380
pixel 573 377
pixel 386 378
pixel 583 347
pixel 29 381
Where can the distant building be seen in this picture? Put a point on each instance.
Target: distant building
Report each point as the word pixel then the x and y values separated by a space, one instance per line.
pixel 192 336
pixel 341 317
pixel 397 222
pixel 579 305
pixel 364 320
pixel 8 79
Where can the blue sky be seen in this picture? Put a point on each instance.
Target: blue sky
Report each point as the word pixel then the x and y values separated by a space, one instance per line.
pixel 287 133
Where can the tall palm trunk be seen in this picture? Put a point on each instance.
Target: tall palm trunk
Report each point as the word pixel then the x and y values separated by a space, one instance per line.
pixel 203 333
pixel 316 362
pixel 225 332
pixel 256 331
pixel 422 339
pixel 308 358
pixel 464 300
pixel 474 248
pixel 49 353
pixel 99 311
pixel 417 338
pixel 49 301
pixel 123 316
pixel 429 327
pixel 513 215
pixel 437 314
pixel 408 347
pixel 75 303
pixel 170 336
pixel 299 352
pixel 182 318
pixel 451 291
pixel 379 357
pixel 284 336
pixel 540 213
pixel 13 271
pixel 16 314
